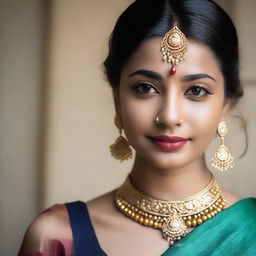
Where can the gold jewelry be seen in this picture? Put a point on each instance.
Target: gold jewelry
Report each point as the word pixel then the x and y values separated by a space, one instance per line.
pixel 222 158
pixel 157 120
pixel 121 149
pixel 172 217
pixel 174 47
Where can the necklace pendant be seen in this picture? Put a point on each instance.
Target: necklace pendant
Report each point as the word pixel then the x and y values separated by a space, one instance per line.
pixel 174 229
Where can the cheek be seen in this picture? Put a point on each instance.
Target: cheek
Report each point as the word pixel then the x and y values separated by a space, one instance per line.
pixel 202 122
pixel 204 119
pixel 134 115
pixel 137 115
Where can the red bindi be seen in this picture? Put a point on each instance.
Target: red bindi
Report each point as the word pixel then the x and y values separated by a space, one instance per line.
pixel 172 71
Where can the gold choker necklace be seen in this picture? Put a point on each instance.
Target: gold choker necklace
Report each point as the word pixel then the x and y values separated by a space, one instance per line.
pixel 172 217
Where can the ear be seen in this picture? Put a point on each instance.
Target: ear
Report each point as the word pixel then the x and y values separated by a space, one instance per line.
pixel 225 109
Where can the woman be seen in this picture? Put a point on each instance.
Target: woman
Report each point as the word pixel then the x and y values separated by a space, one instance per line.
pixel 173 69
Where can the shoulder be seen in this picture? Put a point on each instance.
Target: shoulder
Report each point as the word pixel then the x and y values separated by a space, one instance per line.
pixel 50 221
pixel 244 207
pixel 51 226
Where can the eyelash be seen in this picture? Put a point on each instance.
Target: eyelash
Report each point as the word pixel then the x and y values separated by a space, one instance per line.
pixel 137 88
pixel 206 92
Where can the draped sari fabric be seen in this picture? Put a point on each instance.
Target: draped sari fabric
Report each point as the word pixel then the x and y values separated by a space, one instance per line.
pixel 232 232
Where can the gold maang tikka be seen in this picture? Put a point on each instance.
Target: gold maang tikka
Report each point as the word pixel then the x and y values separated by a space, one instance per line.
pixel 222 158
pixel 174 47
pixel 121 149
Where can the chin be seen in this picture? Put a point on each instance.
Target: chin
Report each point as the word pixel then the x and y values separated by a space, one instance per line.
pixel 167 161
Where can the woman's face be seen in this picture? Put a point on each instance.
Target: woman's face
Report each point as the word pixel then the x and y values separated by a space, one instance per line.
pixel 189 104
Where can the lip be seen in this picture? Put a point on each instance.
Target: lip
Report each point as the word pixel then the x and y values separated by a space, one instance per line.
pixel 167 143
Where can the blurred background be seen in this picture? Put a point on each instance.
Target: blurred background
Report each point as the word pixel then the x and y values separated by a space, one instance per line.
pixel 56 109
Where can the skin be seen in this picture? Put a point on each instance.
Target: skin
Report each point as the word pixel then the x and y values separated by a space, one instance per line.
pixel 171 175
pixel 185 111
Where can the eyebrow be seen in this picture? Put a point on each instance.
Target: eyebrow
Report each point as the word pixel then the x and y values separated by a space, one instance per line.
pixel 157 76
pixel 193 77
pixel 147 73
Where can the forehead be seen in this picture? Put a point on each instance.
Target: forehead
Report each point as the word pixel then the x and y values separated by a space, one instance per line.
pixel 199 59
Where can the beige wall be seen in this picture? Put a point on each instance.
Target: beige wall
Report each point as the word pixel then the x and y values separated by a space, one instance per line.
pixel 78 109
pixel 20 90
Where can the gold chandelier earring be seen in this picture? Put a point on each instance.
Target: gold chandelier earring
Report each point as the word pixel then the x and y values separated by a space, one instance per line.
pixel 222 158
pixel 121 149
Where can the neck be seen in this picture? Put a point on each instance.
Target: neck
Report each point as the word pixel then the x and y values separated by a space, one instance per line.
pixel 171 184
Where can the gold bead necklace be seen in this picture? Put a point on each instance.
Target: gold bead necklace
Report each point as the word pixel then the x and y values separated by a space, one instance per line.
pixel 172 217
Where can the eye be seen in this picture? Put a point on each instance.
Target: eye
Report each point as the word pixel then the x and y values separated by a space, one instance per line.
pixel 197 91
pixel 144 88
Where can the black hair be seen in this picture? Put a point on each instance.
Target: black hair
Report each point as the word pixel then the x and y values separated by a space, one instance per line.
pixel 202 20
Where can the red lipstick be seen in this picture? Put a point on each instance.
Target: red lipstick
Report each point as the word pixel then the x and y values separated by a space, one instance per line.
pixel 167 143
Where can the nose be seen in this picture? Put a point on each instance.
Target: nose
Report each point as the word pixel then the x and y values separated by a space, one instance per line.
pixel 170 114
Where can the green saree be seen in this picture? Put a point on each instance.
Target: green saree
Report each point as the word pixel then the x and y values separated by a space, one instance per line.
pixel 230 233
